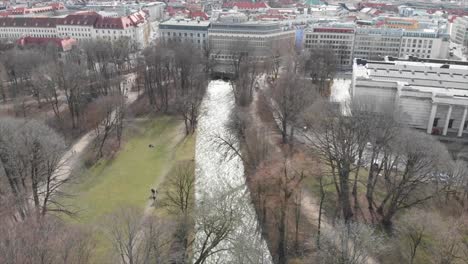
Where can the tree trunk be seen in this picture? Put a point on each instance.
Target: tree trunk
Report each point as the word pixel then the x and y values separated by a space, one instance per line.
pixel 319 225
pixel 370 185
pixel 3 93
pixel 284 132
pixel 344 195
pixel 282 236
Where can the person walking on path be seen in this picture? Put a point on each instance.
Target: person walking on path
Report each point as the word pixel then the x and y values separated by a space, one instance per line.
pixel 153 195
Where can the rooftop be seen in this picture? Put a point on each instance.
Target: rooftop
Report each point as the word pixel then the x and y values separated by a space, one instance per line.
pixel 184 22
pixel 440 74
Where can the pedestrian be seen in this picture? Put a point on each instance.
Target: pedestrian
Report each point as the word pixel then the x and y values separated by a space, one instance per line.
pixel 153 195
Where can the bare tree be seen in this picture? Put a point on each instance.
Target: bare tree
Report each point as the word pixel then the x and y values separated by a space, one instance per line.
pixel 411 232
pixel 44 84
pixel 70 77
pixel 454 182
pixel 157 72
pixel 408 171
pixel 109 115
pixel 349 243
pixel 246 69
pixel 44 240
pixel 336 138
pixel 123 228
pixel 31 154
pixel 215 222
pixel 188 102
pixel 289 185
pixel 290 96
pixel 178 197
pixel 321 67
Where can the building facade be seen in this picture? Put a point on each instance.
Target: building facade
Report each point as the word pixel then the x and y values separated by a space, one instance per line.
pixel 459 30
pixel 81 26
pixel 339 39
pixel 349 42
pixel 376 43
pixel 431 95
pixel 183 30
pixel 257 39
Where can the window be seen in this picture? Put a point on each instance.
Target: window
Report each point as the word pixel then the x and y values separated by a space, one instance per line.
pixel 436 122
pixel 450 123
pixel 465 125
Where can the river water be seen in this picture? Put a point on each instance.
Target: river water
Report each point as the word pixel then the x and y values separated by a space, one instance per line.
pixel 220 191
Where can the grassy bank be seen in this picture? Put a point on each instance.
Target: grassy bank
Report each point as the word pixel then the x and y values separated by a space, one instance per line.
pixel 128 177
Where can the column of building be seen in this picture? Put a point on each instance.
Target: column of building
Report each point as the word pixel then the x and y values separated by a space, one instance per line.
pixel 432 115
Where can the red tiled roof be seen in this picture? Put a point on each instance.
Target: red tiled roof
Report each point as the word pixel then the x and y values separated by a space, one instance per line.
pixel 245 5
pixel 62 43
pixel 40 22
pixel 200 14
pixel 78 19
pixel 36 9
pixel 82 19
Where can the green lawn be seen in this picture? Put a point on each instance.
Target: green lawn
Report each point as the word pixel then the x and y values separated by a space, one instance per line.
pixel 129 176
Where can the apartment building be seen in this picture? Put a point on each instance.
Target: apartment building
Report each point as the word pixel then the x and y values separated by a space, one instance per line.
pixel 185 30
pixel 81 26
pixel 431 95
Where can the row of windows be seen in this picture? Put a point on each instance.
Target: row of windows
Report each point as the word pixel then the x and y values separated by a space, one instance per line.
pixel 2 35
pixel 185 34
pixel 63 30
pixel 74 29
pixel 342 43
pixel 191 40
pixel 26 30
pixel 417 41
pixel 416 50
pixel 329 36
pixel 378 44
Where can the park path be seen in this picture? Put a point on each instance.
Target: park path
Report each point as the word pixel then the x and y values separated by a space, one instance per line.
pixel 220 188
pixel 72 157
pixel 309 204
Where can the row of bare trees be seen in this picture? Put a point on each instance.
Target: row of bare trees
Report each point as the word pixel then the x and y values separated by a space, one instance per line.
pixel 84 90
pixel 174 77
pixel 402 164
pixel 370 157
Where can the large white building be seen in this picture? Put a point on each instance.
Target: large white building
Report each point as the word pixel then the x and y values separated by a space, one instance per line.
pixel 349 41
pixel 431 95
pixel 81 26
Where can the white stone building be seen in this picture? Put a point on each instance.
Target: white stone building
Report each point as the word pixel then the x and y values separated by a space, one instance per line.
pixel 431 95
